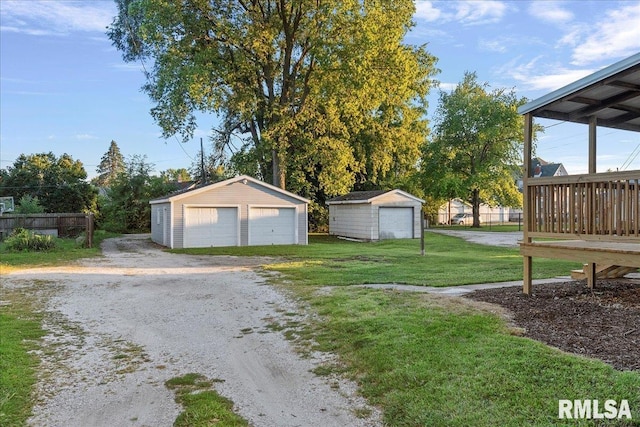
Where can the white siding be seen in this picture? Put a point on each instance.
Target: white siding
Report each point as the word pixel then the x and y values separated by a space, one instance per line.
pixel 243 195
pixel 353 220
pixel 361 220
pixel 160 221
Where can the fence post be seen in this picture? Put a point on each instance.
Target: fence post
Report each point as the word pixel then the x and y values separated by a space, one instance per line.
pixel 89 231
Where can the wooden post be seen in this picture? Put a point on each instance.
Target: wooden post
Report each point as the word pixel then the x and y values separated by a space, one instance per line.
pixel 526 174
pixel 422 226
pixel 593 126
pixel 89 231
pixel 591 275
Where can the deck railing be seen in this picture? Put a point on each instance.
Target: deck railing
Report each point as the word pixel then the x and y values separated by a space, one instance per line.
pixel 604 206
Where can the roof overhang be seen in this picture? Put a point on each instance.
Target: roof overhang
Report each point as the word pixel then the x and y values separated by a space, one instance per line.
pixel 611 95
pixel 371 199
pixel 242 178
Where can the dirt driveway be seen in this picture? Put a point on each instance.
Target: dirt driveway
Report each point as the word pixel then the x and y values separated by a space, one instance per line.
pixel 123 324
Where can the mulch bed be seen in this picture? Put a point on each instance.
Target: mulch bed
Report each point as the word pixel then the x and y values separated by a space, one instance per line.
pixel 603 323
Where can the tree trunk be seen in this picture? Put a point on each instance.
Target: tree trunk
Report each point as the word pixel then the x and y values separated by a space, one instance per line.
pixel 475 203
pixel 278 172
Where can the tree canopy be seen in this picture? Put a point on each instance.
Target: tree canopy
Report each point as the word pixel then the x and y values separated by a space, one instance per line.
pixel 126 207
pixel 59 183
pixel 111 164
pixel 321 95
pixel 475 150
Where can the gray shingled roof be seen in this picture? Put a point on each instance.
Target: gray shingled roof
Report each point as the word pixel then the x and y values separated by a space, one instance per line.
pixel 358 195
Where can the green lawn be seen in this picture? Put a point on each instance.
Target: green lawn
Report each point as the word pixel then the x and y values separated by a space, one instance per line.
pixel 21 327
pixel 430 360
pixel 66 251
pixel 448 261
pixel 423 359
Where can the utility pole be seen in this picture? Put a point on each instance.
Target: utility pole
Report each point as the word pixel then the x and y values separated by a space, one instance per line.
pixel 202 172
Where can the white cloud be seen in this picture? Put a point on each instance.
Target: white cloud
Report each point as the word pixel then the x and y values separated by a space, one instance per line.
pixel 480 12
pixel 56 17
pixel 85 136
pixel 499 45
pixel 466 12
pixel 425 10
pixel 556 79
pixel 615 35
pixel 534 75
pixel 550 11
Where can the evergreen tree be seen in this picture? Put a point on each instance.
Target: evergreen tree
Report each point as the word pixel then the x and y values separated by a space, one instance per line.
pixel 110 166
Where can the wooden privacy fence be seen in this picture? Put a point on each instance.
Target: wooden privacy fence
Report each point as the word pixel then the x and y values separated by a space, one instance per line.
pixel 596 206
pixel 57 224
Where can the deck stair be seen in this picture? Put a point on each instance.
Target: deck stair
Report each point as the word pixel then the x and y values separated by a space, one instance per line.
pixel 603 272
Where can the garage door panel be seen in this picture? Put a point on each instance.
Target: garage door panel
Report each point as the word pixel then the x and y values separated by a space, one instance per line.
pixel 395 223
pixel 211 226
pixel 272 226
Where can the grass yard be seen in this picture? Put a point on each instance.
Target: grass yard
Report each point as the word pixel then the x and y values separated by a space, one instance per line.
pixel 20 330
pixel 66 251
pixel 448 261
pixel 430 360
pixel 21 327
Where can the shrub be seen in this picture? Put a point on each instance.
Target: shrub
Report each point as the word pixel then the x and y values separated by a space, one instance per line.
pixel 26 240
pixel 29 205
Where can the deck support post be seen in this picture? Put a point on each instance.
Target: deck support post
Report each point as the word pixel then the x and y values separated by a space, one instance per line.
pixel 527 275
pixel 591 275
pixel 526 174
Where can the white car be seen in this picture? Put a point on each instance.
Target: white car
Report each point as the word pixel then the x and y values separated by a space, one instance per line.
pixel 462 219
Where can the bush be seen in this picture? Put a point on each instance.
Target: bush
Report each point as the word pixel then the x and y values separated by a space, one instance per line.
pixel 26 240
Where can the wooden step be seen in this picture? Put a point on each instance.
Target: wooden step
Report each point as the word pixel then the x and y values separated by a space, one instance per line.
pixel 603 272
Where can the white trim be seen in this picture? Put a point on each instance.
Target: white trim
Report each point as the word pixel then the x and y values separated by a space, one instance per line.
pixel 186 206
pixel 295 219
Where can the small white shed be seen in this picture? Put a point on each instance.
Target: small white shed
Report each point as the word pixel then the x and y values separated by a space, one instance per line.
pixel 375 215
pixel 240 211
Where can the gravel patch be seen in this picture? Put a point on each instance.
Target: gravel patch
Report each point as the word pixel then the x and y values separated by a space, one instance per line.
pixel 121 325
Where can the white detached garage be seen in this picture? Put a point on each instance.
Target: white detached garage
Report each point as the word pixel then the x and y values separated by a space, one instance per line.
pixel 375 215
pixel 240 211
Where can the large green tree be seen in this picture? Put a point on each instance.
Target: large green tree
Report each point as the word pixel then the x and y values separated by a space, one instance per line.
pixel 111 164
pixel 59 183
pixel 321 95
pixel 476 146
pixel 125 209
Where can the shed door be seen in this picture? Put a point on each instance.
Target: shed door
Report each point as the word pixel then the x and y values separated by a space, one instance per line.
pixel 209 226
pixel 395 223
pixel 272 226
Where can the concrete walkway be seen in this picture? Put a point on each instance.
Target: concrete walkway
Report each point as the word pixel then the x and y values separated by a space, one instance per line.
pixel 462 289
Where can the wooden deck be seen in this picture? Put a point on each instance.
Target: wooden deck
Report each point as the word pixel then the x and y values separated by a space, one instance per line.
pixel 592 252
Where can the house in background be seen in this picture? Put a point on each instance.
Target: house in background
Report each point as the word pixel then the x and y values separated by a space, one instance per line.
pixel 543 169
pixel 488 214
pixel 376 215
pixel 240 211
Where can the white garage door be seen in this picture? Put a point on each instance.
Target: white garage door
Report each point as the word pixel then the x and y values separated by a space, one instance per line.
pixel 272 226
pixel 395 223
pixel 208 226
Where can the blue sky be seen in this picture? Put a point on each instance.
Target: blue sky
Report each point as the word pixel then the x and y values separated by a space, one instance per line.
pixel 65 89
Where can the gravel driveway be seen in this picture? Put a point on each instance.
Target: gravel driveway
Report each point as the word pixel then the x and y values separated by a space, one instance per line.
pixel 123 324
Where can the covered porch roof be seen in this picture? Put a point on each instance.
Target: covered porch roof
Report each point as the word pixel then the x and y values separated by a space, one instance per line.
pixel 611 96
